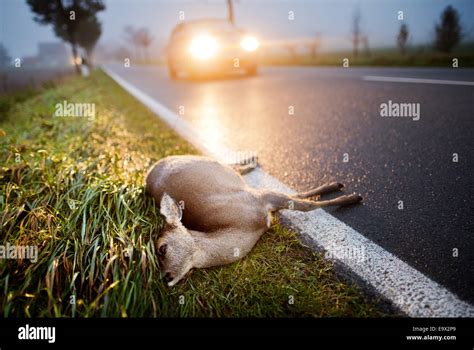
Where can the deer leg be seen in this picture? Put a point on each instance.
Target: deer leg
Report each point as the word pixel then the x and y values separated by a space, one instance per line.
pixel 243 169
pixel 278 201
pixel 341 200
pixel 323 189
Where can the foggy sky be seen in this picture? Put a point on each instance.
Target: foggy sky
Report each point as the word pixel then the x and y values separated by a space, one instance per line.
pixel 267 18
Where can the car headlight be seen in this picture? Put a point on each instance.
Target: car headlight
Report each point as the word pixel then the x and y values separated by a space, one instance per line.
pixel 203 47
pixel 249 43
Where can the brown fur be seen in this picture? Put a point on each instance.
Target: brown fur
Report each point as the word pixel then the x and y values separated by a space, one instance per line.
pixel 222 219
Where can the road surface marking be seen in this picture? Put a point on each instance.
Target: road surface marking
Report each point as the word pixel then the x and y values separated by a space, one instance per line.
pixel 417 80
pixel 408 289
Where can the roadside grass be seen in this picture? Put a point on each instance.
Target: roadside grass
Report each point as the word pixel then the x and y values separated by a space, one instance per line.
pixel 414 57
pixel 419 56
pixel 74 188
pixel 10 100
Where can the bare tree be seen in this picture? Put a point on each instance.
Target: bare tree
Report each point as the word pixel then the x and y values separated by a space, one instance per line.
pixel 314 45
pixel 402 38
pixel 365 44
pixel 144 39
pixel 120 53
pixel 130 35
pixel 291 48
pixel 230 7
pixel 140 39
pixel 356 31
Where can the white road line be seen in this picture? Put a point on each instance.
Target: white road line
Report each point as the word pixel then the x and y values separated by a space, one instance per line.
pixel 417 80
pixel 410 290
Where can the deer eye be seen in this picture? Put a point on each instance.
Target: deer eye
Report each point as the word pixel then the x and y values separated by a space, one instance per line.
pixel 162 250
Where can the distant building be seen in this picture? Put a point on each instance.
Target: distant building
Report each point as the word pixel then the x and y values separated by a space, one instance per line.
pixel 30 61
pixel 53 54
pixel 50 54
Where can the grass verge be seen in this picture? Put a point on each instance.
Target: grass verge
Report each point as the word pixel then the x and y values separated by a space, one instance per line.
pixel 74 188
pixel 378 58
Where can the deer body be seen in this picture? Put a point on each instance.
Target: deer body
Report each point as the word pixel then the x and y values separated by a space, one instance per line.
pixel 212 216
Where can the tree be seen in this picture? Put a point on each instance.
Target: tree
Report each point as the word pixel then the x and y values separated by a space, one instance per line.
pixel 402 38
pixel 88 35
pixel 140 39
pixel 364 39
pixel 144 39
pixel 449 31
pixel 230 8
pixel 66 17
pixel 4 56
pixel 292 49
pixel 132 38
pixel 120 53
pixel 313 46
pixel 356 32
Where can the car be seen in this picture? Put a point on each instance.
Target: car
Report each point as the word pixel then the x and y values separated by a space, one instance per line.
pixel 205 47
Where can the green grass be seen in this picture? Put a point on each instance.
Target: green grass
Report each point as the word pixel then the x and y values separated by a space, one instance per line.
pixel 9 101
pixel 74 187
pixel 381 57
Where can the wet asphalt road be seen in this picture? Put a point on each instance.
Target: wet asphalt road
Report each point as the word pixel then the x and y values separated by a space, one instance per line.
pixel 337 115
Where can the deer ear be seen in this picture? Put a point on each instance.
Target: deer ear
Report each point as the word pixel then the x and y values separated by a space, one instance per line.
pixel 170 210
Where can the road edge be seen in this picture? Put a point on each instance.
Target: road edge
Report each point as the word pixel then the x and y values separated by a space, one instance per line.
pixel 409 290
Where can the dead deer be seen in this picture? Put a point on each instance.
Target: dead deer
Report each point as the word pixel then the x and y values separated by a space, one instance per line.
pixel 223 218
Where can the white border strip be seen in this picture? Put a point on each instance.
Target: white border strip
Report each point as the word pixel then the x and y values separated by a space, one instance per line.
pixel 417 80
pixel 408 289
